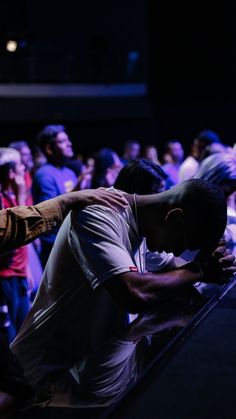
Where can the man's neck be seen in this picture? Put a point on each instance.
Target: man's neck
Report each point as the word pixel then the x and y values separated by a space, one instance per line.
pixel 146 205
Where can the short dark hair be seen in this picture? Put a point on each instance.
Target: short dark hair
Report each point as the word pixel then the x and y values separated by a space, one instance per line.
pixel 208 137
pixel 48 135
pixel 205 209
pixel 140 176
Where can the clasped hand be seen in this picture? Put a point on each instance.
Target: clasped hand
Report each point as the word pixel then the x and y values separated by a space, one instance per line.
pixel 219 266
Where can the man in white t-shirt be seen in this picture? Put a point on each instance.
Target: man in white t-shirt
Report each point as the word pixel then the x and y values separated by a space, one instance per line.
pixel 207 142
pixel 96 275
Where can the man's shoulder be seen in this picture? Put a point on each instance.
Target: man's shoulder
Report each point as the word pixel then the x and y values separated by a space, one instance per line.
pixel 46 168
pixel 99 214
pixel 96 210
pixel 59 174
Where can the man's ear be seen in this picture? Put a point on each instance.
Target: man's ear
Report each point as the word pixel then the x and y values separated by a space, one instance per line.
pixel 175 214
pixel 48 149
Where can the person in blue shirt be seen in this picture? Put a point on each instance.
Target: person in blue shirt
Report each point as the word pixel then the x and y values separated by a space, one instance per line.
pixel 53 178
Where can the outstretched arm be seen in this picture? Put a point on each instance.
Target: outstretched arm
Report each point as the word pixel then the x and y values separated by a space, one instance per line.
pixel 20 225
pixel 136 291
pixel 80 199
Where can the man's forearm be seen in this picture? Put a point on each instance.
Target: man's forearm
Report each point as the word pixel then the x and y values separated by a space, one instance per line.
pixel 136 291
pixel 20 225
pixel 150 286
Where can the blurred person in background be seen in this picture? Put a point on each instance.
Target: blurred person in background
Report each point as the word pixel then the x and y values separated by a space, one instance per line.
pixel 173 157
pixel 141 176
pixel 220 170
pixel 53 178
pixel 106 168
pixel 207 142
pixel 150 153
pixel 75 164
pixel 35 270
pixel 39 158
pixel 131 151
pixel 27 161
pixel 14 301
pixel 88 170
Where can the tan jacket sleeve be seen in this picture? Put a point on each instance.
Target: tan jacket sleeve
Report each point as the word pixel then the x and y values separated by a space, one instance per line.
pixel 20 225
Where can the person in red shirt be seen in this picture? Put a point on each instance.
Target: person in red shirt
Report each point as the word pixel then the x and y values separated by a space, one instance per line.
pixel 14 300
pixel 34 268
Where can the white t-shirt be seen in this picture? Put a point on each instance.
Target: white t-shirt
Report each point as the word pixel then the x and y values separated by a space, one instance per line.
pixel 188 169
pixel 72 314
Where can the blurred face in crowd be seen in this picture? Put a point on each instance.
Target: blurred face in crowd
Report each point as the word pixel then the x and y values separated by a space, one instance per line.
pixel 26 157
pixel 176 151
pixel 19 169
pixel 151 154
pixel 114 170
pixel 62 147
pixel 133 151
pixel 199 148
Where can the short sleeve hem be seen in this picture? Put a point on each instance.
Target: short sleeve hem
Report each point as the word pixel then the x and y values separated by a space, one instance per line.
pixel 103 278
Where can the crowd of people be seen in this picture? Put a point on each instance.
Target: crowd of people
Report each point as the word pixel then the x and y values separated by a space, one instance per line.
pixel 123 251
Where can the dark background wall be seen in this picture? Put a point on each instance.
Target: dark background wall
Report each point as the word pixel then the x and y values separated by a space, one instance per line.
pixel 191 74
pixel 184 54
pixel 76 41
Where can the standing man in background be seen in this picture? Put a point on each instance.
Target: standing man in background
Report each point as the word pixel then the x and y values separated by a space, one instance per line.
pixel 53 178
